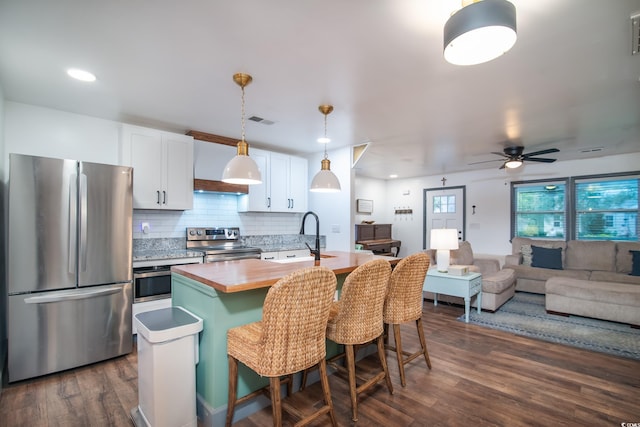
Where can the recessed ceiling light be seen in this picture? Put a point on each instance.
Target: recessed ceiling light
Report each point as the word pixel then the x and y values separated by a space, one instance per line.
pixel 81 75
pixel 393 175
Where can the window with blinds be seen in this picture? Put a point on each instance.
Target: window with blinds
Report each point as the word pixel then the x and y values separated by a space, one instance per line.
pixel 539 210
pixel 606 209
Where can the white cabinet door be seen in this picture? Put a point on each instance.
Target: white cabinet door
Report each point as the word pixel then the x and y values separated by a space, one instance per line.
pixel 284 184
pixel 258 199
pixel 178 171
pixel 298 187
pixel 162 167
pixel 279 182
pixel 145 155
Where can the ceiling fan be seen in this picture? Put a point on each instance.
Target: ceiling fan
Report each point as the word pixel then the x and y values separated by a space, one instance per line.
pixel 514 156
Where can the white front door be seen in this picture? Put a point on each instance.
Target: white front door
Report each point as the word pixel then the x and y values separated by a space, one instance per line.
pixel 444 208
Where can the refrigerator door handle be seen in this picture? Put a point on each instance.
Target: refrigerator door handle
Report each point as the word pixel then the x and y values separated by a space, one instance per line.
pixel 83 222
pixel 75 295
pixel 73 194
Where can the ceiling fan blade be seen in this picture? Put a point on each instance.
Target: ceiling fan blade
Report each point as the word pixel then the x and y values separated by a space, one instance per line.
pixel 538 153
pixel 539 159
pixel 502 166
pixel 486 161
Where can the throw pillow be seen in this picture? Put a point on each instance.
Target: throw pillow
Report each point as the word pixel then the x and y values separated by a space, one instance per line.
pixel 635 261
pixel 525 250
pixel 546 257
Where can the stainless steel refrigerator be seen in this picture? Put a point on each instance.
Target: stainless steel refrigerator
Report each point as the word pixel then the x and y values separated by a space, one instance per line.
pixel 69 264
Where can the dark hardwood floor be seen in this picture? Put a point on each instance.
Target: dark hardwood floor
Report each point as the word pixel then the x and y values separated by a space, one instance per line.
pixel 480 377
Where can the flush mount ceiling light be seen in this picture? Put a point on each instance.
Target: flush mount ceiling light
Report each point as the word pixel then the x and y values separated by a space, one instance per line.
pixel 325 181
pixel 81 75
pixel 479 32
pixel 242 169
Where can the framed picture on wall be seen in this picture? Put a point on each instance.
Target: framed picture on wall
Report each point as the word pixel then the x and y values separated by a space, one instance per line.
pixel 364 206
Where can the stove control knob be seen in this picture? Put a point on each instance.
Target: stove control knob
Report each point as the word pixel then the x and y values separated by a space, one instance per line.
pixel 235 233
pixel 199 232
pixel 192 232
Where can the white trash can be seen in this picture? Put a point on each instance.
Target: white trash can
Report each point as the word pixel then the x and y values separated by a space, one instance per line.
pixel 167 355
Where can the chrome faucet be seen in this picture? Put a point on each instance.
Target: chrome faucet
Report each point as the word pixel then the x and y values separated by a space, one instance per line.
pixel 315 251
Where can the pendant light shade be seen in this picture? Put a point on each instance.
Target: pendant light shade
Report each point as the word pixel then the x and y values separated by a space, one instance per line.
pixel 480 32
pixel 242 169
pixel 325 181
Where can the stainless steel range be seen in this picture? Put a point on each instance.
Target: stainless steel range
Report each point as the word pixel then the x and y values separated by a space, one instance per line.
pixel 220 244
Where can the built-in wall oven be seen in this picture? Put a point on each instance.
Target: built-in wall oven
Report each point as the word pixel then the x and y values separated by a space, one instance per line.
pixel 152 279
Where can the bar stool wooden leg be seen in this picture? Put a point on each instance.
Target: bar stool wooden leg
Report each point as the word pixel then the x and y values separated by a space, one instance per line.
pixel 276 400
pixel 423 341
pixel 398 340
pixel 383 362
pixel 351 368
pixel 233 383
pixel 324 379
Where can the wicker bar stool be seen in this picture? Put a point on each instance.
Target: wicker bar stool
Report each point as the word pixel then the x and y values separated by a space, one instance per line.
pixel 404 304
pixel 289 339
pixel 357 319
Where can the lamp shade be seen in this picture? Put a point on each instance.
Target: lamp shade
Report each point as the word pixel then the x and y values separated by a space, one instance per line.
pixel 242 169
pixel 325 181
pixel 444 238
pixel 480 32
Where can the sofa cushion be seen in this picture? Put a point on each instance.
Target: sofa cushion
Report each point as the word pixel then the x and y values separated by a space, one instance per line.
pixel 518 242
pixel 499 281
pixel 543 274
pixel 463 255
pixel 546 257
pixel 635 271
pixel 590 255
pixel 623 256
pixel 605 292
pixel 610 276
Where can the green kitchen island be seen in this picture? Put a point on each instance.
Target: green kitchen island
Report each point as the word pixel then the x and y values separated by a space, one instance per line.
pixel 231 293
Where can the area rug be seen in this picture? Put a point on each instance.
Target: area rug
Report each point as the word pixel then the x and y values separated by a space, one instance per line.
pixel 525 315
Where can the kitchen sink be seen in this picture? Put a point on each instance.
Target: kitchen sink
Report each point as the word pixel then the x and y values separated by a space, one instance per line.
pixel 299 259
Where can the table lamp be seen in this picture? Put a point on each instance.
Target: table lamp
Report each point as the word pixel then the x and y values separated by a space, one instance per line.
pixel 444 240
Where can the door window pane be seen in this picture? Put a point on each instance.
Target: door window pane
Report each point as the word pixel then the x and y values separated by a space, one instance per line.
pixel 444 204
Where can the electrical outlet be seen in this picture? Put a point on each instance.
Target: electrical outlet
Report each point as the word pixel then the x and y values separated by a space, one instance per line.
pixel 145 228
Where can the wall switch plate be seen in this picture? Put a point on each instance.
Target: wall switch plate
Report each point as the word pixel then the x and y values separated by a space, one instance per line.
pixel 335 228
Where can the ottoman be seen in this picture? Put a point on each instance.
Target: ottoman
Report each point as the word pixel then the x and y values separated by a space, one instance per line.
pixel 497 288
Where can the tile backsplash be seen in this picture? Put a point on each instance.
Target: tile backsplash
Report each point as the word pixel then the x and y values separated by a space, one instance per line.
pixel 213 210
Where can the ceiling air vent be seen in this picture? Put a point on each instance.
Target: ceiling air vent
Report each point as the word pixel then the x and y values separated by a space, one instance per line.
pixel 261 120
pixel 635 33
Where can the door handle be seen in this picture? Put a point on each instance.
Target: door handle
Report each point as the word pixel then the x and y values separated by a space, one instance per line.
pixel 73 224
pixel 164 197
pixel 268 202
pixel 72 295
pixel 158 193
pixel 83 222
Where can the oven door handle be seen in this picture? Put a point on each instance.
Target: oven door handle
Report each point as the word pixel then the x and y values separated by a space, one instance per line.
pixel 155 273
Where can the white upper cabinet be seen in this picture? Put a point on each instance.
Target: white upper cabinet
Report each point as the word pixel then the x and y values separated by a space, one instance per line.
pixel 162 167
pixel 284 184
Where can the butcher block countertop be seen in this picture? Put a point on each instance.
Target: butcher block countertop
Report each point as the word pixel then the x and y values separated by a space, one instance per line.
pixel 248 274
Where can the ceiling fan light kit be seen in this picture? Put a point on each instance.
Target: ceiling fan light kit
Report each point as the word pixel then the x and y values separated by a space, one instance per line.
pixel 479 32
pixel 242 169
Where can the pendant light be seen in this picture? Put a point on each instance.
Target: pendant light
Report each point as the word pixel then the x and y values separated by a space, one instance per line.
pixel 325 181
pixel 479 32
pixel 242 169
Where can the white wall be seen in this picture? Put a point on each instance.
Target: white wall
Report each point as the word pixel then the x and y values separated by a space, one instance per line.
pixel 52 133
pixel 489 189
pixel 3 249
pixel 334 209
pixel 376 191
